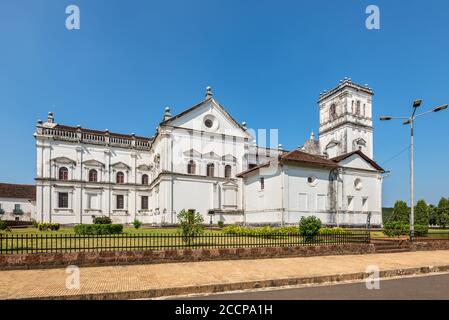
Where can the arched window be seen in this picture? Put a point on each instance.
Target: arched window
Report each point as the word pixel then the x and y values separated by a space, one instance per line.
pixel 145 179
pixel 191 167
pixel 63 173
pixel 228 170
pixel 210 169
pixel 120 177
pixel 332 112
pixel 93 175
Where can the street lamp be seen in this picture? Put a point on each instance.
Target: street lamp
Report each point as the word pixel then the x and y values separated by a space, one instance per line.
pixel 410 121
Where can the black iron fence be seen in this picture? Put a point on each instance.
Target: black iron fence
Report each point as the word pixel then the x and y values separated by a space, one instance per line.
pixel 48 243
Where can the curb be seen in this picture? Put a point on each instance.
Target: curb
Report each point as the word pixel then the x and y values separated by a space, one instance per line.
pixel 220 288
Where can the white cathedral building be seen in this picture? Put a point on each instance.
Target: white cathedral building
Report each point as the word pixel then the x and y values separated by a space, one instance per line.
pixel 204 159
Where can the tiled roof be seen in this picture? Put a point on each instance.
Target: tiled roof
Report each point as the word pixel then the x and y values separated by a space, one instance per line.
pixel 361 154
pixel 24 191
pixel 243 173
pixel 308 159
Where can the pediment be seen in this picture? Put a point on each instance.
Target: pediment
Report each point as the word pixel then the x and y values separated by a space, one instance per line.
pixel 228 157
pixel 360 142
pixel 63 160
pixel 211 155
pixel 93 163
pixel 120 165
pixel 230 184
pixel 195 117
pixel 192 153
pixel 332 144
pixel 144 167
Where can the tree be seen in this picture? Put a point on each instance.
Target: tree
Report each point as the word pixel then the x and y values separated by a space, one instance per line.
pixel 400 212
pixel 422 213
pixel 433 215
pixel 190 224
pixel 443 212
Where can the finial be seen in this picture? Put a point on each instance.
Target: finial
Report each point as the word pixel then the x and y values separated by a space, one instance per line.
pixel 280 146
pixel 50 117
pixel 312 136
pixel 167 114
pixel 208 92
pixel 244 123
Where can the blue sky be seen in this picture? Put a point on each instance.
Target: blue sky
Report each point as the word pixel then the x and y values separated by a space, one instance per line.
pixel 267 62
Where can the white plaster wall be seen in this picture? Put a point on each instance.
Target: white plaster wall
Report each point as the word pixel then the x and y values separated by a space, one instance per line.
pixel 8 204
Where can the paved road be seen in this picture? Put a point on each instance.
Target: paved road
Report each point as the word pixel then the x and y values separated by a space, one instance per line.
pixel 434 287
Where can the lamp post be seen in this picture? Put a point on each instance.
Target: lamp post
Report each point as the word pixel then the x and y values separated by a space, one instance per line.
pixel 410 121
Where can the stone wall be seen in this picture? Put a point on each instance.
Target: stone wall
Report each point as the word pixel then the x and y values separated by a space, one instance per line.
pixel 54 260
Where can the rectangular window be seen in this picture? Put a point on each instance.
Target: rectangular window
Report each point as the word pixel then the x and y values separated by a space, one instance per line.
pixel 321 202
pixel 350 203
pixel 144 203
pixel 302 205
pixel 63 200
pixel 262 183
pixel 17 207
pixel 120 201
pixel 365 204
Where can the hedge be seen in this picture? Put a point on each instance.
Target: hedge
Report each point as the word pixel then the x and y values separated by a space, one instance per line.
pixel 396 228
pixel 45 226
pixel 98 229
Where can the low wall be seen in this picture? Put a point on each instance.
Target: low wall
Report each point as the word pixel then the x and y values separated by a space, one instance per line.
pixel 55 260
pixel 429 245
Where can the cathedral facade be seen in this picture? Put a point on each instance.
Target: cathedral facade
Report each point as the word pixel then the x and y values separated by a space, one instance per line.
pixel 203 159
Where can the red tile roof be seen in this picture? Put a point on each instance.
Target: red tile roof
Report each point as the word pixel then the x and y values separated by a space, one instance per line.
pixel 24 191
pixel 308 159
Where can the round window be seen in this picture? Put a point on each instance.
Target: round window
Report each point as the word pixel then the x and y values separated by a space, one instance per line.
pixel 311 181
pixel 208 123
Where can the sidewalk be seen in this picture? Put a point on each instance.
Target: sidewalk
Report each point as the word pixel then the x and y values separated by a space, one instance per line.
pixel 146 281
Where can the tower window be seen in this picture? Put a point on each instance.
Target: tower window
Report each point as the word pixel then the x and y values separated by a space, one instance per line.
pixel 191 167
pixel 357 109
pixel 145 179
pixel 93 175
pixel 210 169
pixel 120 178
pixel 63 173
pixel 332 112
pixel 262 183
pixel 228 170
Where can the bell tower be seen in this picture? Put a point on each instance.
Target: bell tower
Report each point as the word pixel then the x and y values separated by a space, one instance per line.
pixel 346 119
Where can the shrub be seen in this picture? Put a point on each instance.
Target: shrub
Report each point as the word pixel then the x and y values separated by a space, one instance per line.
pixel 85 229
pixel 46 226
pixel 35 224
pixel 333 231
pixel 190 224
pixel 395 228
pixel 137 223
pixel 220 224
pixel 263 231
pixel 309 227
pixel 102 220
pixel 3 225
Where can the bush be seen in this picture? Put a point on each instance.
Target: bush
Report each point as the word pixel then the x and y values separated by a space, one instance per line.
pixel 263 231
pixel 443 212
pixel 137 223
pixel 3 225
pixel 333 231
pixel 220 224
pixel 422 213
pixel 45 226
pixel 309 227
pixel 190 224
pixel 96 229
pixel 102 220
pixel 35 224
pixel 395 229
